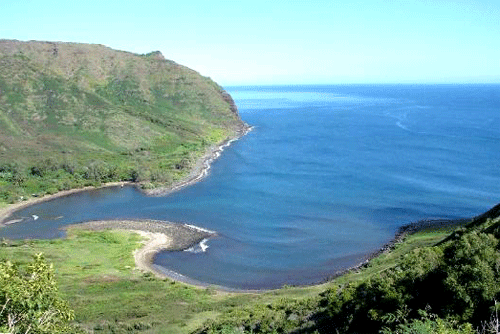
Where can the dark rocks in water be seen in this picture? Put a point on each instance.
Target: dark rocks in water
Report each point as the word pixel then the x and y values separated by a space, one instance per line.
pixel 427 224
pixel 183 236
pixel 490 214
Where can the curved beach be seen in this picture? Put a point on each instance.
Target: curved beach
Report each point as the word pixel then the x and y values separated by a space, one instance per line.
pixel 161 236
pixel 177 236
pixel 204 167
pixel 167 236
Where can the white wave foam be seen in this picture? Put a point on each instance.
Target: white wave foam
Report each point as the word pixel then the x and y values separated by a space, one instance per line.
pixel 199 248
pixel 203 245
pixel 199 228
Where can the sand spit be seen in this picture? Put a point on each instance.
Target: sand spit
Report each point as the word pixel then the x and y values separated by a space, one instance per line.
pixel 178 236
pixel 160 236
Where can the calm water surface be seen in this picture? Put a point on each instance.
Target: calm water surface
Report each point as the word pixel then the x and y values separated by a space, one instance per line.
pixel 327 176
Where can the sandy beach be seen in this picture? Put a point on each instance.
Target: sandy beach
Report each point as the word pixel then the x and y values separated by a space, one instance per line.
pixel 160 235
pixel 144 256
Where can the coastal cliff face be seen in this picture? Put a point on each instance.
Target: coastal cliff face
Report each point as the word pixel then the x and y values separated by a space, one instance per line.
pixel 230 101
pixel 133 117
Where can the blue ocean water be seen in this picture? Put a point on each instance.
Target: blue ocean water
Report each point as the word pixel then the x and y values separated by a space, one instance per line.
pixel 326 177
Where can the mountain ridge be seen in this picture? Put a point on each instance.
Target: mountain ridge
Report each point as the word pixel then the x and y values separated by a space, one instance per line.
pixel 137 117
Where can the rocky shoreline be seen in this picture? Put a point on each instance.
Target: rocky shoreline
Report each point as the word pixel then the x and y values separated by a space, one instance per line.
pixel 177 237
pixel 183 236
pixel 201 168
pixel 161 236
pixel 168 236
pixel 401 234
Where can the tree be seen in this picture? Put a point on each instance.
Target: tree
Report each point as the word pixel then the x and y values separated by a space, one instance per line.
pixel 29 299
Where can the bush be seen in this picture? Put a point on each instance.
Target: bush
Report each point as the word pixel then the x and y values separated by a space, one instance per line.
pixel 431 324
pixel 29 299
pixel 465 271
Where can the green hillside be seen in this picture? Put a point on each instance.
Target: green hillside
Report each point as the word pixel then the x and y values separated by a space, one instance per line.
pixel 79 114
pixel 74 114
pixel 444 280
pixel 433 282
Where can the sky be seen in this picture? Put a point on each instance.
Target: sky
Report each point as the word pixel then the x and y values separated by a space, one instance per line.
pixel 283 42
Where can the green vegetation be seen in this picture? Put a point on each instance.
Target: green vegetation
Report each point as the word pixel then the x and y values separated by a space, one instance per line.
pixel 95 274
pixel 73 115
pixel 30 300
pixel 432 282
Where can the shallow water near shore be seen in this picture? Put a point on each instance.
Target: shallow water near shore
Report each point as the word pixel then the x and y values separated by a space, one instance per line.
pixel 325 178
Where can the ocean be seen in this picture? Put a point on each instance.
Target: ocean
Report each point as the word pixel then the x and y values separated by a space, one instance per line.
pixel 326 177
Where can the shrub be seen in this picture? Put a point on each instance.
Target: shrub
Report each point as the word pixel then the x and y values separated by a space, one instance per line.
pixel 29 299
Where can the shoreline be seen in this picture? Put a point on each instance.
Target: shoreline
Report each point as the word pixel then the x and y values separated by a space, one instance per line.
pixel 161 236
pixel 164 241
pixel 179 236
pixel 201 168
pixel 400 235
pixel 8 210
pixel 199 171
pixel 168 236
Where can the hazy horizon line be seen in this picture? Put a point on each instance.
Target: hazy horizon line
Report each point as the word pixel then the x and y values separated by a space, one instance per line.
pixel 365 84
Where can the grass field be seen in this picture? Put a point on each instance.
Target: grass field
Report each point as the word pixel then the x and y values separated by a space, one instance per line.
pixel 95 272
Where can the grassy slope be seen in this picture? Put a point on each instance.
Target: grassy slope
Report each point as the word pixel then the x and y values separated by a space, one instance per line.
pixel 78 114
pixel 95 274
pixel 103 115
pixel 454 275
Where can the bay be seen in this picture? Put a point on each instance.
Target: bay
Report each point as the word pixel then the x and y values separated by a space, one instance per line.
pixel 325 178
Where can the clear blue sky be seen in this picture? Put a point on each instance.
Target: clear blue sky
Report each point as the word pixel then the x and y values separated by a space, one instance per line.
pixel 283 42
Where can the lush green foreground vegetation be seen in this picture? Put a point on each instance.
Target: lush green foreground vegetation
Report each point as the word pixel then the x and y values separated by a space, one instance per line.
pixel 73 115
pixel 95 275
pixel 433 282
